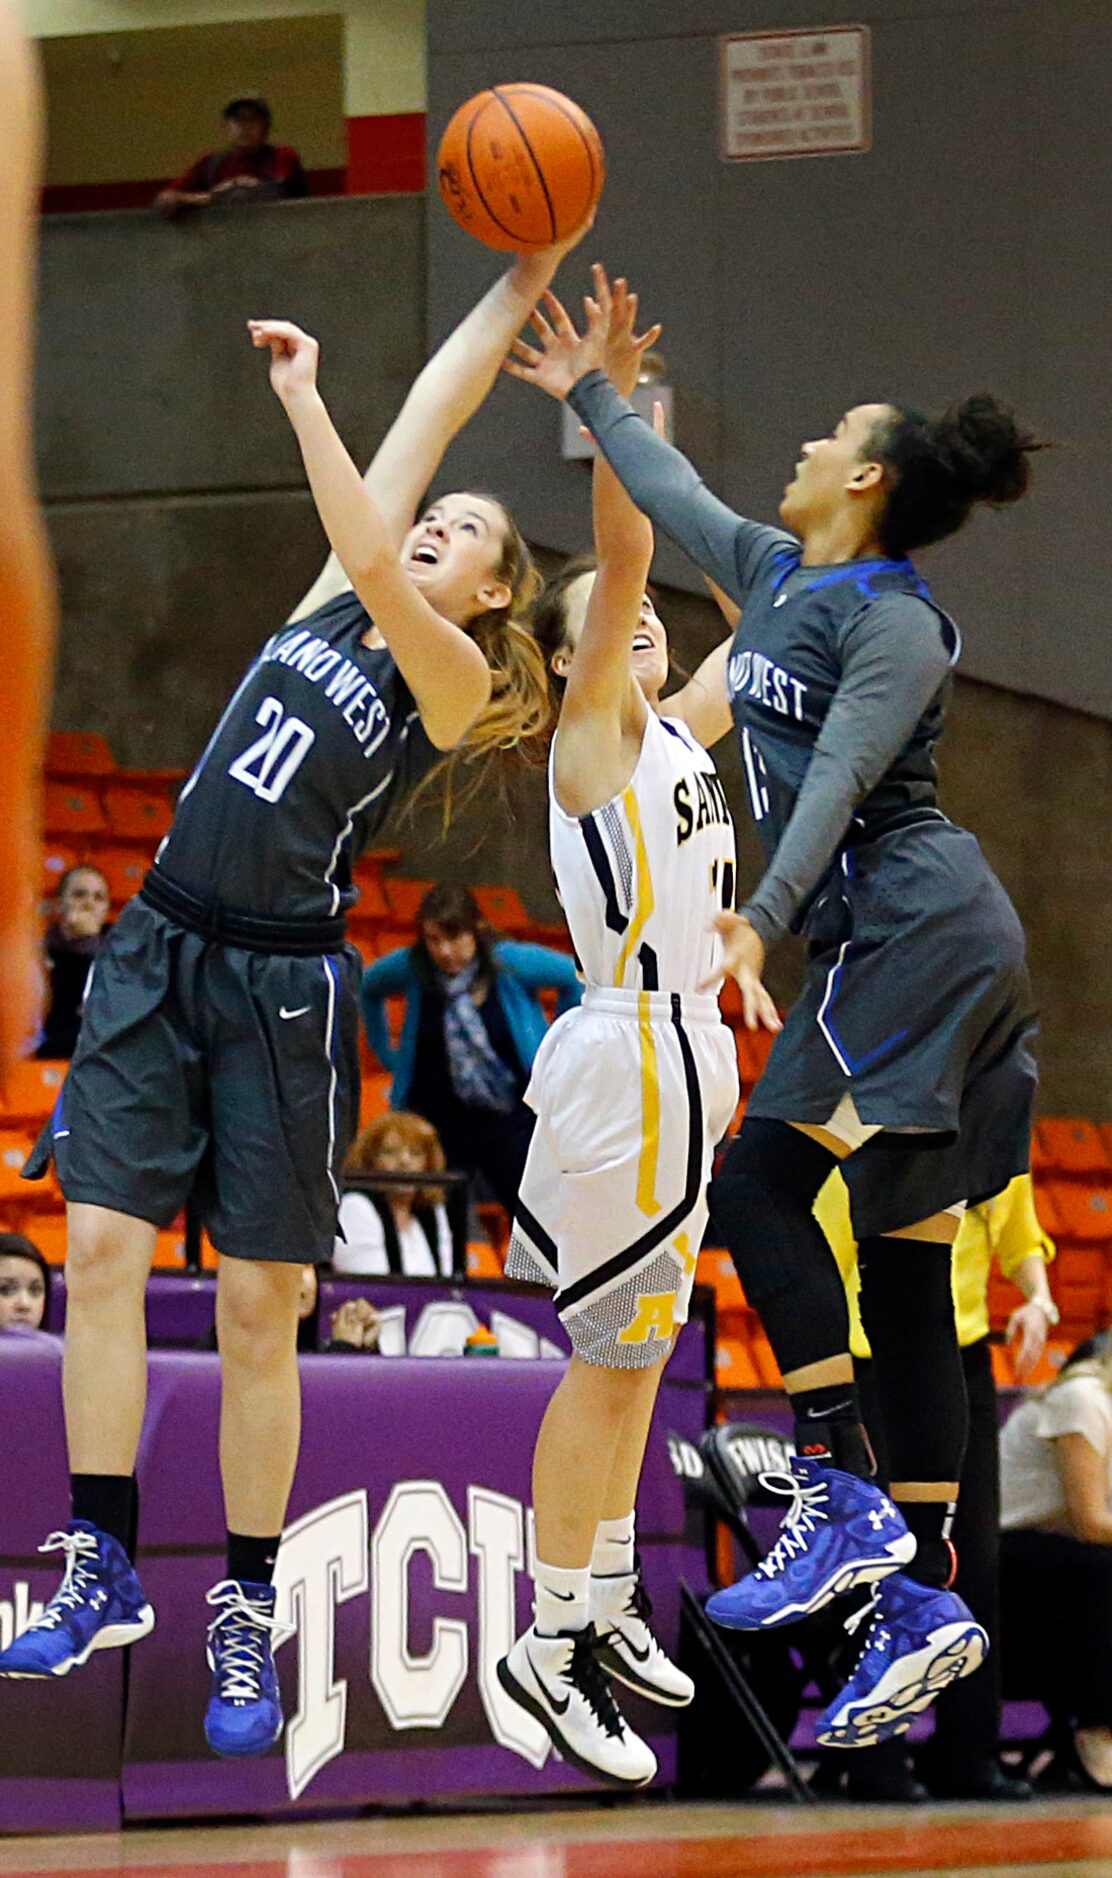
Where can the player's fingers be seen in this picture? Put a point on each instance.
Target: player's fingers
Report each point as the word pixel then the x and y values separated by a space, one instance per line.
pixel 644 340
pixel 558 314
pixel 659 424
pixel 521 349
pixel 711 984
pixel 519 371
pixel 603 293
pixel 770 1016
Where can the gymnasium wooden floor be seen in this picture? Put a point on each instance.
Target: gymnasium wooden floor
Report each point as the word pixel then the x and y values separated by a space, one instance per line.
pixel 626 1841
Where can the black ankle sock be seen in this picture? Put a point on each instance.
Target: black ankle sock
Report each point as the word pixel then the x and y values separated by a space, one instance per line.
pixel 251 1561
pixel 107 1501
pixel 828 1428
pixel 935 1560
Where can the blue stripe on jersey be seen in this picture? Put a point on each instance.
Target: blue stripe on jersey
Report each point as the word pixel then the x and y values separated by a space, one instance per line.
pixel 600 862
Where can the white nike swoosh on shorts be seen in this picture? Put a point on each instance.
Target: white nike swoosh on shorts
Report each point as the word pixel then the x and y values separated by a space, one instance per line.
pixel 300 1011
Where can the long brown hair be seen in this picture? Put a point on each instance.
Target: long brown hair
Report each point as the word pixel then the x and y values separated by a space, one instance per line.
pixel 519 709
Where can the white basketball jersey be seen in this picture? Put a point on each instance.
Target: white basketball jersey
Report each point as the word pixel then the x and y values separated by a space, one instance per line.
pixel 641 879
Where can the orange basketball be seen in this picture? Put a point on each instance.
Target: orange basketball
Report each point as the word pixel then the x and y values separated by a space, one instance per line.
pixel 520 166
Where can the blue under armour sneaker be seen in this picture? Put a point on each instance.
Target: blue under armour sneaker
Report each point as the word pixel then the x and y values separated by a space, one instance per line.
pixel 244 1714
pixel 919 1641
pixel 838 1532
pixel 99 1605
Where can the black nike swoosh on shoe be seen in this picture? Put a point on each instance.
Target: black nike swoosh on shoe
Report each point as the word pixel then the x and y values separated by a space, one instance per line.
pixel 558 1708
pixel 639 1656
pixel 565 1597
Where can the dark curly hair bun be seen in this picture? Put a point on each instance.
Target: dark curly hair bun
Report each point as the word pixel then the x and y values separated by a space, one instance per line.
pixel 938 468
pixel 989 452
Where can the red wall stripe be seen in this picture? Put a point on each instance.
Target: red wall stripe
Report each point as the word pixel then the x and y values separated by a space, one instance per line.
pixel 74 198
pixel 386 154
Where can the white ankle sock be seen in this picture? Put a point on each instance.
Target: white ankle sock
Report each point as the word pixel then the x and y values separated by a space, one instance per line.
pixel 561 1598
pixel 612 1556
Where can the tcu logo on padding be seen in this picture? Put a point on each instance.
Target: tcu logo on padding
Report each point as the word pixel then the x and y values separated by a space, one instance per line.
pixel 330 1556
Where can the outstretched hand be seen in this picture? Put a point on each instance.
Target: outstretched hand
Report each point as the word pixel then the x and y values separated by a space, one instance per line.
pixel 743 960
pixel 294 356
pixel 565 355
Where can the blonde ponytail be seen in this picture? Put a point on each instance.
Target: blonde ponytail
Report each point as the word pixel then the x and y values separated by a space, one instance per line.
pixel 519 711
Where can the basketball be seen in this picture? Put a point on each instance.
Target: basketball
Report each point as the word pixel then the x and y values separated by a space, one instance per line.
pixel 520 167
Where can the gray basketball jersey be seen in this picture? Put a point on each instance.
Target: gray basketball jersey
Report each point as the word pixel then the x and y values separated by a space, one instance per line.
pixel 801 627
pixel 318 745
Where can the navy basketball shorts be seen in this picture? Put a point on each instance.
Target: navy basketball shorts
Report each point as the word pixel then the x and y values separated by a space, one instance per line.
pixel 912 1038
pixel 210 1071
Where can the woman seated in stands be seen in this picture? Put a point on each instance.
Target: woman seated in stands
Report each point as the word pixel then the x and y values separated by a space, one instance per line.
pixel 24 1283
pixel 72 943
pixel 473 1024
pixel 1056 1560
pixel 403 1231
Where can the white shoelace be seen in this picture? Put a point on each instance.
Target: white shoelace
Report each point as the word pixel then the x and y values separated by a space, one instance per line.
pixel 241 1659
pixel 804 1515
pixel 81 1553
pixel 878 1633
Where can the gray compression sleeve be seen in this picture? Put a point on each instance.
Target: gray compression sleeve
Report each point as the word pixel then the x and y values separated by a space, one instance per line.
pixel 667 489
pixel 894 662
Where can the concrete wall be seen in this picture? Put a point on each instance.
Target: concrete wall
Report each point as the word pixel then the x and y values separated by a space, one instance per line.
pixel 969 247
pixel 174 489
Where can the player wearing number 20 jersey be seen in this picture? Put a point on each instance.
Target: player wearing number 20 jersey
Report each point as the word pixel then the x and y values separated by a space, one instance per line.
pixel 232 957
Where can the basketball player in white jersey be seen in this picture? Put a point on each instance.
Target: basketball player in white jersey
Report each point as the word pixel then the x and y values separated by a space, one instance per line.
pixel 632 1091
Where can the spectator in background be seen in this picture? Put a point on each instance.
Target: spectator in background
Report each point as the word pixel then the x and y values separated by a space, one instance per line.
pixel 249 169
pixel 24 1283
pixel 71 945
pixel 1056 1560
pixel 403 1231
pixel 473 1024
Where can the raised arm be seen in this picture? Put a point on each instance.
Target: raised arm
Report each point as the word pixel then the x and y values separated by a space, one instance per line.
pixel 444 668
pixel 446 393
pixel 27 597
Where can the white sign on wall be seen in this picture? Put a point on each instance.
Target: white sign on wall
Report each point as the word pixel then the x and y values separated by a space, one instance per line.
pixel 795 94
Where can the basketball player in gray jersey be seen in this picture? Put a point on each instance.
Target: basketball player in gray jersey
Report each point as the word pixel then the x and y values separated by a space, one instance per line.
pixel 908 1055
pixel 218 1052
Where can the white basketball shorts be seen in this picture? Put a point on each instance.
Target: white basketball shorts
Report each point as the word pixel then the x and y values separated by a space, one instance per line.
pixel 632 1092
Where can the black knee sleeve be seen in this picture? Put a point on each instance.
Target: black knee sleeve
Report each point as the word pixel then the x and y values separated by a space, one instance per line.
pixel 761 1205
pixel 907 1309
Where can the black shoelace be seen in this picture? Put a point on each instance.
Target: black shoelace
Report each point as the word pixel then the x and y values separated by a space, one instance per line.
pixel 585 1674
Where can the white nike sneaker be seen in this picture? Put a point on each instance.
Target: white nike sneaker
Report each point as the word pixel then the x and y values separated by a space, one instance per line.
pixel 625 1645
pixel 559 1680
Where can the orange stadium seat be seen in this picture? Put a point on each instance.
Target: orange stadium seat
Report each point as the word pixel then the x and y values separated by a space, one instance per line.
pixel 72 809
pixel 79 753
pixel 15 1146
pixel 482 1260
pixel 1074 1147
pixel 734 1367
pixel 124 869
pixel 503 907
pixel 1081 1211
pixel 405 897
pixel 374 1097
pixel 137 812
pixel 57 859
pixel 372 903
pixel 31 1090
pixel 753 1048
pixel 48 1232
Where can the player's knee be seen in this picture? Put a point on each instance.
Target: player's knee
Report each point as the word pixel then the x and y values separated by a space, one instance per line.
pixel 761 1205
pixel 256 1311
pixel 100 1267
